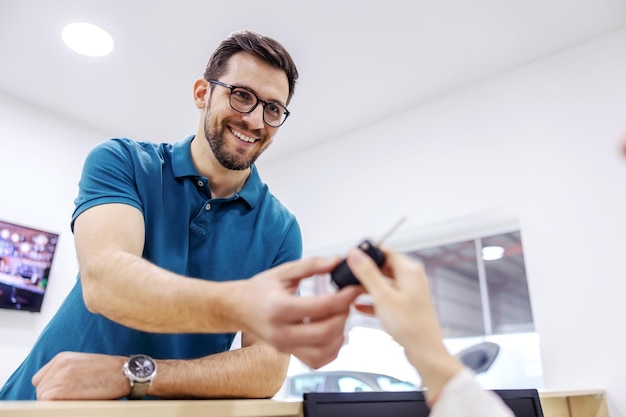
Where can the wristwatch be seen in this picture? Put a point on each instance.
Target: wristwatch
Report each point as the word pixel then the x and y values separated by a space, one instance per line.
pixel 140 371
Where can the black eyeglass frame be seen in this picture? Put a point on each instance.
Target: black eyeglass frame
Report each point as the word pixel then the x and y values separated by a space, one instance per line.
pixel 258 100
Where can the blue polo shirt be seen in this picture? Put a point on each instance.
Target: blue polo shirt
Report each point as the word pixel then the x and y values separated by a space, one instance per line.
pixel 187 232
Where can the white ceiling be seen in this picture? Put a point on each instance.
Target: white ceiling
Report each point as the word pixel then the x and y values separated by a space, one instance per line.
pixel 359 60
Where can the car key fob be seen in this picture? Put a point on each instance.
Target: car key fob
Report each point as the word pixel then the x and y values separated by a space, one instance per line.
pixel 341 276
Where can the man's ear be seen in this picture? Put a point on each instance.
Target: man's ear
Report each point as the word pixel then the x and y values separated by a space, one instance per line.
pixel 200 91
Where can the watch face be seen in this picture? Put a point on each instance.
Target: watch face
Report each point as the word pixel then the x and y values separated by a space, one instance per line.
pixel 141 366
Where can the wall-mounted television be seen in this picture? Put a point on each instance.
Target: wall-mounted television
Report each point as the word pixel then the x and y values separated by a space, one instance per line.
pixel 26 255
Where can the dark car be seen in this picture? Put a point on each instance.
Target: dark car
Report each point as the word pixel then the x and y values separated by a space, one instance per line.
pixel 343 381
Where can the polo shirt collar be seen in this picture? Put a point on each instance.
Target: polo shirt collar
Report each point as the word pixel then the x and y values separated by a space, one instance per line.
pixel 182 166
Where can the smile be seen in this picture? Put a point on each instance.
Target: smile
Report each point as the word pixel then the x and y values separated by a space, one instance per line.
pixel 242 136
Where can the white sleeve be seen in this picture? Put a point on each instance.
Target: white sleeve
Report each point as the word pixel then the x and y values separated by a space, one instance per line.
pixel 463 396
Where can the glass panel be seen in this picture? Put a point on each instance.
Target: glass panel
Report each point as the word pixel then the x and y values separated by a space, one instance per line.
pixel 509 300
pixel 478 299
pixel 453 275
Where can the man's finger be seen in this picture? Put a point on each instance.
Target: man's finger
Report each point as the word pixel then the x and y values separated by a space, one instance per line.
pixel 305 268
pixel 317 308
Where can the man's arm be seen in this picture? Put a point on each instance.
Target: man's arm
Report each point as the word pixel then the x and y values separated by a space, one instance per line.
pixel 255 371
pixel 109 242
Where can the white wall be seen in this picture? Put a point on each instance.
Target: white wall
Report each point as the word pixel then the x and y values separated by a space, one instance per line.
pixel 540 142
pixel 40 162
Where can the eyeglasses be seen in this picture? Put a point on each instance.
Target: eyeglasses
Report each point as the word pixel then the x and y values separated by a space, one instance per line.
pixel 245 101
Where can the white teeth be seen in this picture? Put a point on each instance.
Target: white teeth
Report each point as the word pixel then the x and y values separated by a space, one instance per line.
pixel 243 137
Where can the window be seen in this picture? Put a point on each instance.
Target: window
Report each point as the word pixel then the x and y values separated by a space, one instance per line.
pixel 479 286
pixel 477 276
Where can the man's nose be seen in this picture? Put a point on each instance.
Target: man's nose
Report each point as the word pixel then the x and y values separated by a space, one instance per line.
pixel 255 117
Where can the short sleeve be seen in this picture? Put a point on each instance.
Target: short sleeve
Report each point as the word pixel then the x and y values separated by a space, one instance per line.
pixel 108 176
pixel 291 248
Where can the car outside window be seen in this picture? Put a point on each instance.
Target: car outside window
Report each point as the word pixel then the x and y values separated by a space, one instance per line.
pixel 349 384
pixel 392 384
pixel 307 383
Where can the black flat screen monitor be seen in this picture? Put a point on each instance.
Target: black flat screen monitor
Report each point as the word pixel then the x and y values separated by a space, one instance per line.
pixel 26 255
pixel 523 403
pixel 365 404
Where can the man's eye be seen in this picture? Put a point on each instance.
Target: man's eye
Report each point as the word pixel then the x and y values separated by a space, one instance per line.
pixel 242 95
pixel 274 109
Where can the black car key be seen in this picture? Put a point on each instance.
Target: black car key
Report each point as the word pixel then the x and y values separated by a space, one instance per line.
pixel 341 276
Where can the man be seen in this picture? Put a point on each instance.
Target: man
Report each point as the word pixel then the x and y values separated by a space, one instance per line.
pixel 166 236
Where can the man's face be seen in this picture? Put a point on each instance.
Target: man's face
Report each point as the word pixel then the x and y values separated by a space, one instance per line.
pixel 238 139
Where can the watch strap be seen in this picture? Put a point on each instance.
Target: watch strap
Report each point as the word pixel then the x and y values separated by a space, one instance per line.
pixel 138 390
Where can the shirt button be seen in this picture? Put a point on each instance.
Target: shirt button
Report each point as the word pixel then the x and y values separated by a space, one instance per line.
pixel 200 183
pixel 207 207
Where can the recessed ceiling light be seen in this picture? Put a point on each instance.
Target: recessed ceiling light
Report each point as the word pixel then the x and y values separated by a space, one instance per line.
pixel 87 39
pixel 491 253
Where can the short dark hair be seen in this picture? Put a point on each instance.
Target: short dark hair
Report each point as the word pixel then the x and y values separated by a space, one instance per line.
pixel 263 47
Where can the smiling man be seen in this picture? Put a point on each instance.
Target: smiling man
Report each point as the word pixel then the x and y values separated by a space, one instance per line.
pixel 166 237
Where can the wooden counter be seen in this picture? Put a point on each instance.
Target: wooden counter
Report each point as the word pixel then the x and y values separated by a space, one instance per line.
pixel 203 408
pixel 589 403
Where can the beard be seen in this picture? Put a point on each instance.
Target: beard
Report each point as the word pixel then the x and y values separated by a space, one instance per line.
pixel 235 160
